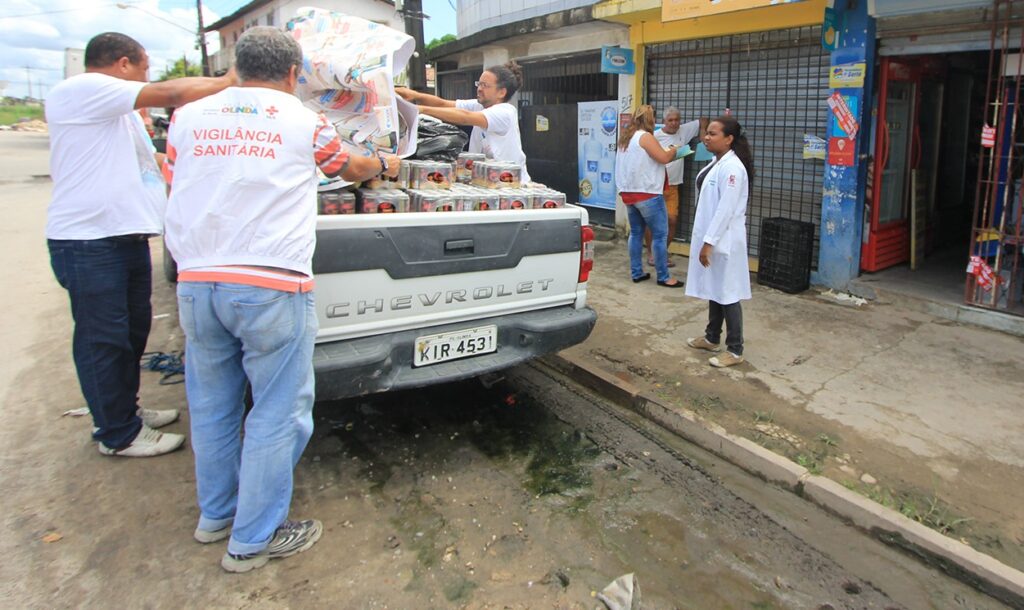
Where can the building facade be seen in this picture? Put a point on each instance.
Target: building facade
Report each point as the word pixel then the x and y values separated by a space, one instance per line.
pixel 278 12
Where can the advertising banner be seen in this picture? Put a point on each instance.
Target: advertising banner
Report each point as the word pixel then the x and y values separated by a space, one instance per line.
pixel 672 10
pixel 596 123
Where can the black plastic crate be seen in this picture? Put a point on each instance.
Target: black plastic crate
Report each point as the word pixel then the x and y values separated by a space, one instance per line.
pixel 784 257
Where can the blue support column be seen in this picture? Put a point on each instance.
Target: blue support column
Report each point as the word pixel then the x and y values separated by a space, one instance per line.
pixel 842 210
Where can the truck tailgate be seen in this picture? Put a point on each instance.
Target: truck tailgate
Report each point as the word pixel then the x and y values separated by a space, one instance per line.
pixel 382 273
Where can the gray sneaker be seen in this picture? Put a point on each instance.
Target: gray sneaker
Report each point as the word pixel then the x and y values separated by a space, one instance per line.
pixel 148 443
pixel 291 537
pixel 208 536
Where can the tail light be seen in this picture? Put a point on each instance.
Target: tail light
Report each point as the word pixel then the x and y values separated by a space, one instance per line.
pixel 586 252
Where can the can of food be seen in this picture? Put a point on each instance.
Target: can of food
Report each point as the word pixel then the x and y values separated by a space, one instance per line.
pixel 547 199
pixel 347 203
pixel 435 201
pixel 480 173
pixel 434 175
pixel 464 166
pixel 329 203
pixel 402 181
pixel 486 201
pixel 513 199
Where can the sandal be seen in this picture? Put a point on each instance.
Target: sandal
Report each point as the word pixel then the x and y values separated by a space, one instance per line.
pixel 676 283
pixel 643 277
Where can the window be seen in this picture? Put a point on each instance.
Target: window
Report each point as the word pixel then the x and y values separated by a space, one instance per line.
pixel 270 18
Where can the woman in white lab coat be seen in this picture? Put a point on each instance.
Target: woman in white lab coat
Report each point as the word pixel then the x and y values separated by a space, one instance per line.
pixel 718 268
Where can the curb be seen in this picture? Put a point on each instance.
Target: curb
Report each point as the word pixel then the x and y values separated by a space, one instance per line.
pixel 955 558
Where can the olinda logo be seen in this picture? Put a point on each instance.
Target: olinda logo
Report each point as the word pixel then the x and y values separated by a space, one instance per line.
pixel 608 120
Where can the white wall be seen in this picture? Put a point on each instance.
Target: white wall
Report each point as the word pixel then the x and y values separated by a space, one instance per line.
pixel 475 15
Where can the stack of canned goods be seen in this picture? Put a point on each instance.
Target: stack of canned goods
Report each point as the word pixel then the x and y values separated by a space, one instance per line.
pixel 336 202
pixel 383 201
pixel 464 166
pixel 496 174
pixel 434 186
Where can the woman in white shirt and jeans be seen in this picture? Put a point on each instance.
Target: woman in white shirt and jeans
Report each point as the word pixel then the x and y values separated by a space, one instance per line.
pixel 495 122
pixel 640 178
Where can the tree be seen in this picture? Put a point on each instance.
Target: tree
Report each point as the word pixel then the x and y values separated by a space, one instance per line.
pixel 179 70
pixel 440 41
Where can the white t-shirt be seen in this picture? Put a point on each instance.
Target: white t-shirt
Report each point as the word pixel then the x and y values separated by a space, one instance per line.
pixel 105 179
pixel 682 136
pixel 501 139
pixel 243 186
pixel 636 171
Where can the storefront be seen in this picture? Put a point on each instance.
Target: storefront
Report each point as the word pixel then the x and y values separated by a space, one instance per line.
pixel 935 196
pixel 766 66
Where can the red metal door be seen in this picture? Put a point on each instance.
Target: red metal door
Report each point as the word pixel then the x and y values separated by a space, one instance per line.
pixel 897 152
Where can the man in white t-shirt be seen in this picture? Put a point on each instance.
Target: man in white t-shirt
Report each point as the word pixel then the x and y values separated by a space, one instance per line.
pixel 108 199
pixel 674 133
pixel 495 122
pixel 241 223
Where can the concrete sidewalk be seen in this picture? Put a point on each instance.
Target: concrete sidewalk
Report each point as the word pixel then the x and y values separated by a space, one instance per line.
pixel 918 413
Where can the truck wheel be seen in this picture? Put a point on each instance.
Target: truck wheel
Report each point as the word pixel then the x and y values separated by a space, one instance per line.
pixel 170 267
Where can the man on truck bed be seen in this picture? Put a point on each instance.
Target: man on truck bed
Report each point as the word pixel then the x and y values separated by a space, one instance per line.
pixel 241 224
pixel 495 122
pixel 108 200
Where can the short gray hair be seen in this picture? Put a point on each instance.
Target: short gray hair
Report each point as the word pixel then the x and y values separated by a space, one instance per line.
pixel 672 110
pixel 266 53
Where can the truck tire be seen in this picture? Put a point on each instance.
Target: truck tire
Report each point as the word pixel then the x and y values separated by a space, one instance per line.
pixel 170 267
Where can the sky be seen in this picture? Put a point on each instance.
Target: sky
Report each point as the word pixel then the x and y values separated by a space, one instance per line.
pixel 34 33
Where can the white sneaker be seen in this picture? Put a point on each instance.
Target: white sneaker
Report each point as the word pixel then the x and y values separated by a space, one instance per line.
pixel 154 418
pixel 148 443
pixel 725 360
pixel 157 418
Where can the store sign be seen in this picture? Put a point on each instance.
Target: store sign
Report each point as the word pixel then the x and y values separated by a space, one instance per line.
pixel 845 117
pixel 673 10
pixel 847 75
pixel 616 60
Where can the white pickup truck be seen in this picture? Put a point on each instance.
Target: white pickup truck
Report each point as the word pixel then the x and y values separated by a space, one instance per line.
pixel 409 300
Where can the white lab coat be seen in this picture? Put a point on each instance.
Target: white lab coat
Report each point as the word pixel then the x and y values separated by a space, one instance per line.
pixel 721 221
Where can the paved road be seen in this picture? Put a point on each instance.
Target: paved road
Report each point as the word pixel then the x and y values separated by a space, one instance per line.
pixel 528 494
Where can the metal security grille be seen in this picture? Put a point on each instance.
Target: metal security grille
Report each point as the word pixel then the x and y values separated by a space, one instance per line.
pixel 775 83
pixel 566 80
pixel 458 85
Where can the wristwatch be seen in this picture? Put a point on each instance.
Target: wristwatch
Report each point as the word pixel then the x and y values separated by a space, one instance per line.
pixel 383 165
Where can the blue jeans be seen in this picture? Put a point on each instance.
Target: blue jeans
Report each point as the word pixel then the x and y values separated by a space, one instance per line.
pixel 650 213
pixel 109 282
pixel 236 333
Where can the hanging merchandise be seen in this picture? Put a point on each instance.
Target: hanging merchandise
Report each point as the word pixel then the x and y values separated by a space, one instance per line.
pixel 982 271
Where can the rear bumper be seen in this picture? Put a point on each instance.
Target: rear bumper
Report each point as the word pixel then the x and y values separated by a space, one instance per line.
pixel 384 362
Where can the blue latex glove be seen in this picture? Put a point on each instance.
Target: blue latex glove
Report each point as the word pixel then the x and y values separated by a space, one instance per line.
pixel 682 151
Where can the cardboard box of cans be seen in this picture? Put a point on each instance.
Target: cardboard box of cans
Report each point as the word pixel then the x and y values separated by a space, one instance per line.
pixel 431 186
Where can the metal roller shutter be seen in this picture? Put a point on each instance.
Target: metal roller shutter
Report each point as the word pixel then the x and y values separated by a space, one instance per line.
pixel 775 83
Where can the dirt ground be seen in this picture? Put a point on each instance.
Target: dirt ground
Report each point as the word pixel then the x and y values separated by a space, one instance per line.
pixel 899 405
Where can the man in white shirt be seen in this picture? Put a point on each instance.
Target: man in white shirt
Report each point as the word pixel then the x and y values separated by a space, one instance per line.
pixel 241 224
pixel 678 134
pixel 495 122
pixel 108 199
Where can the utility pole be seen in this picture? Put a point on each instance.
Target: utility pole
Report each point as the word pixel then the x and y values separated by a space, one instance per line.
pixel 412 10
pixel 202 40
pixel 28 80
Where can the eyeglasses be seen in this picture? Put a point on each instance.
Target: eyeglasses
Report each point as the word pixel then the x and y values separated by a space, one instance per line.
pixel 481 84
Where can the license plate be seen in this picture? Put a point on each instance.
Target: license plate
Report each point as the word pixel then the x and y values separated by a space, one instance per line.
pixel 443 347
